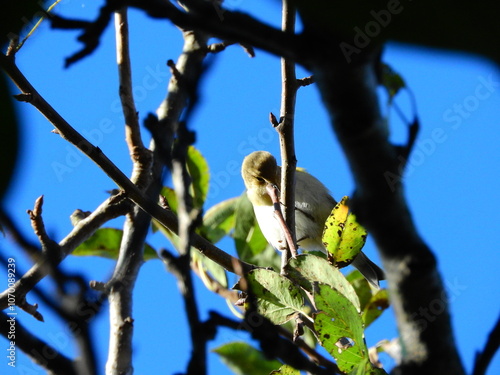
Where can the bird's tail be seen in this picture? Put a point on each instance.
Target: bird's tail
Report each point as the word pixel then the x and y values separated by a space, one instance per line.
pixel 368 269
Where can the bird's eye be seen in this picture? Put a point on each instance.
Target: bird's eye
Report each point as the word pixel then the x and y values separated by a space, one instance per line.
pixel 260 179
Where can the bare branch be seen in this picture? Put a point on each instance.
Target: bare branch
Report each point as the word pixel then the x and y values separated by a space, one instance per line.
pixel 37 223
pixel 141 157
pixel 286 131
pixel 483 358
pixel 306 81
pixel 183 86
pixel 120 292
pixel 236 27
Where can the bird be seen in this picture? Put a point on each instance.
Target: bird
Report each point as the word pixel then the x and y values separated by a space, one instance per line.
pixel 313 205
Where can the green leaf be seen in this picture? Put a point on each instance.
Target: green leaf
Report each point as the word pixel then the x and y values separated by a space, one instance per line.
pixel 343 236
pixel 278 299
pixel 334 226
pixel 285 370
pixel 200 176
pixel 339 327
pixel 219 220
pixel 373 301
pixel 244 359
pixel 361 286
pixel 377 305
pixel 105 242
pixel 248 238
pixel 366 368
pixel 308 269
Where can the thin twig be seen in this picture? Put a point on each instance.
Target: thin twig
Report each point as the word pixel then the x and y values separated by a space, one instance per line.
pixel 285 130
pixel 120 296
pixel 132 128
pixel 195 46
pixel 306 81
pixel 137 222
pixel 483 358
pixel 141 157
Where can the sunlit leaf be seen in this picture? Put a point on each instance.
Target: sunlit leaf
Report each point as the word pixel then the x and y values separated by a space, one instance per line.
pixel 278 299
pixel 334 226
pixel 339 327
pixel 200 176
pixel 376 306
pixel 285 370
pixel 361 286
pixel 343 236
pixel 244 359
pixel 373 301
pixel 105 242
pixel 307 269
pixel 353 240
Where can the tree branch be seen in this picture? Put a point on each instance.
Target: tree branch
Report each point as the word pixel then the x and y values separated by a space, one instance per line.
pixel 285 130
pixel 140 155
pixel 228 25
pixel 183 88
pixel 120 292
pixel 483 359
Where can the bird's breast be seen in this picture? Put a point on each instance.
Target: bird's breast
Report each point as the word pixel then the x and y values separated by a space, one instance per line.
pixel 307 231
pixel 270 227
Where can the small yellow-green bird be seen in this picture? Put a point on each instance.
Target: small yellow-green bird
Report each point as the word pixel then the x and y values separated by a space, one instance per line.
pixel 313 205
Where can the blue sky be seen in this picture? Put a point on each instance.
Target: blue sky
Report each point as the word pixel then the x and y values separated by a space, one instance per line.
pixel 452 182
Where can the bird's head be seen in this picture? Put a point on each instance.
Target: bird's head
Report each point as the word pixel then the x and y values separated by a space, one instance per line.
pixel 260 171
